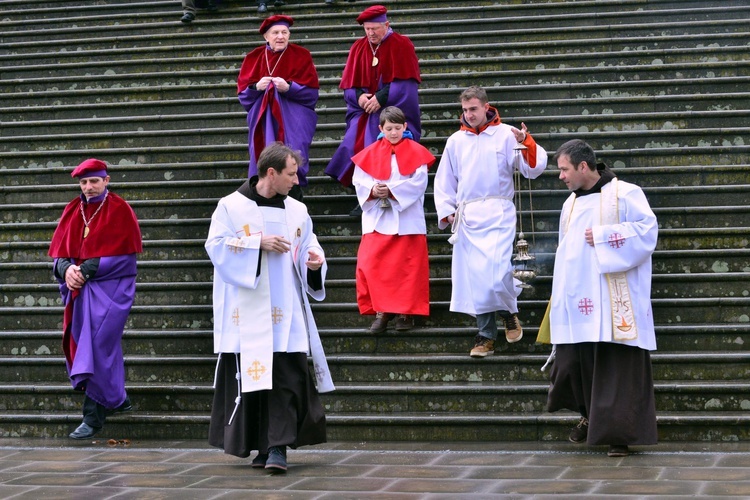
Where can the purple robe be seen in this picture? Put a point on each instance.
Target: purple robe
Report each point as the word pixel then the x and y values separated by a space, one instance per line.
pixel 99 314
pixel 402 94
pixel 299 121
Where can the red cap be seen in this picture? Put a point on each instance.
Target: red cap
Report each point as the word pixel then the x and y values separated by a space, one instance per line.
pixel 90 168
pixel 274 20
pixel 374 14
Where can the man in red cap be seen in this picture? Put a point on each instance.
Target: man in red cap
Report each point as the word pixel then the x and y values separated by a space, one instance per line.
pixel 278 86
pixel 382 70
pixel 94 247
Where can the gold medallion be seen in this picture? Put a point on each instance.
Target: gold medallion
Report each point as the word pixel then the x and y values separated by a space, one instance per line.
pixel 375 61
pixel 85 231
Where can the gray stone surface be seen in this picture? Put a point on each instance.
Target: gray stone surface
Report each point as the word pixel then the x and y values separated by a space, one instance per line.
pixel 186 470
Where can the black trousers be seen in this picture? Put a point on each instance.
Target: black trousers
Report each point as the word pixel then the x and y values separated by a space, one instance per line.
pixel 290 414
pixel 610 384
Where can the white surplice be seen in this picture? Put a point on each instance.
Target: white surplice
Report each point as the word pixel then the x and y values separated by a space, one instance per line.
pixel 258 314
pixel 475 181
pixel 406 213
pixel 581 310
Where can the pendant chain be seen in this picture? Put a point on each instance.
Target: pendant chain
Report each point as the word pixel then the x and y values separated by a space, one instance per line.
pixel 374 52
pixel 268 66
pixel 83 215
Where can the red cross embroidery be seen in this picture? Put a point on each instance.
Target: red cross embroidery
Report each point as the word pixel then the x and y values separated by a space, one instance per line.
pixel 586 306
pixel 616 240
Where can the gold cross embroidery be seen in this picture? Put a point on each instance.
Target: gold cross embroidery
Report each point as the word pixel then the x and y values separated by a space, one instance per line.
pixel 256 370
pixel 236 316
pixel 277 314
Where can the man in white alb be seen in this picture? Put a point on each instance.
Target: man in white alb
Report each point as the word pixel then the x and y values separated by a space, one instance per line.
pixel 266 261
pixel 601 322
pixel 474 193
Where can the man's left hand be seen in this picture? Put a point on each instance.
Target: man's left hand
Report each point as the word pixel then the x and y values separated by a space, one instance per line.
pixel 371 105
pixel 314 261
pixel 589 235
pixel 281 84
pixel 520 134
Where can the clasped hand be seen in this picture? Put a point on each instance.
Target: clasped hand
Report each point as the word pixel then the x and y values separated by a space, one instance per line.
pixel 280 84
pixel 380 191
pixel 74 279
pixel 369 103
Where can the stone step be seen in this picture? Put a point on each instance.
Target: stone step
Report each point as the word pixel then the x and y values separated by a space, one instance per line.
pixel 510 368
pixel 677 426
pixel 522 17
pixel 628 49
pixel 18 266
pixel 327 35
pixel 335 225
pixel 59 174
pixel 688 311
pixel 341 246
pixel 339 341
pixel 386 398
pixel 153 292
pixel 158 128
pixel 675 265
pixel 547 192
pixel 629 135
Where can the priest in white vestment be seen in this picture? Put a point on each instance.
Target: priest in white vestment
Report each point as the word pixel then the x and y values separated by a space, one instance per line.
pixel 601 322
pixel 267 261
pixel 474 194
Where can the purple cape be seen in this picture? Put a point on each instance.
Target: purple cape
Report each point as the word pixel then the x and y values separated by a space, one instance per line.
pixel 402 94
pixel 299 121
pixel 99 314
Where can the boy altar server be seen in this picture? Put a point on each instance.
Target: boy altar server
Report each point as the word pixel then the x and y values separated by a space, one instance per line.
pixel 393 275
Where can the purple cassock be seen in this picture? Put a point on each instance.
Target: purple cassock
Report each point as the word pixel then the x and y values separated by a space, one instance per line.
pixel 295 125
pixel 100 311
pixel 403 94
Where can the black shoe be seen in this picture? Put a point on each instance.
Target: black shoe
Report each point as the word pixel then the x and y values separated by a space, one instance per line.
pixel 279 3
pixel 618 450
pixel 212 7
pixel 262 8
pixel 579 433
pixel 187 17
pixel 276 461
pixel 84 431
pixel 259 461
pixel 124 407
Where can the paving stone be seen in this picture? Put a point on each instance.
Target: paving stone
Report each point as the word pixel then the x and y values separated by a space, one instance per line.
pixel 684 488
pixel 154 481
pixel 514 472
pixel 544 486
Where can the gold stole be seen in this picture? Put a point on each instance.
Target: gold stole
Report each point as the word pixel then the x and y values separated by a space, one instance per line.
pixel 623 317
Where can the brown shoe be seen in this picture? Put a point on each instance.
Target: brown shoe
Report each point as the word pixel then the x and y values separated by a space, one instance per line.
pixel 404 322
pixel 482 347
pixel 381 322
pixel 513 330
pixel 618 450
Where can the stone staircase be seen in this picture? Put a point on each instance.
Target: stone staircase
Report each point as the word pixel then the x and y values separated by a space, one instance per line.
pixel 658 87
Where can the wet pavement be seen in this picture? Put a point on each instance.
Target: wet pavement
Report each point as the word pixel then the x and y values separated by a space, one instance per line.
pixel 185 470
